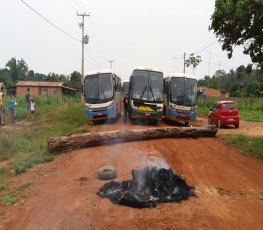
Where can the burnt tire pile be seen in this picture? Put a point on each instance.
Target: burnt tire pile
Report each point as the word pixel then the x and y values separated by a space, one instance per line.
pixel 147 187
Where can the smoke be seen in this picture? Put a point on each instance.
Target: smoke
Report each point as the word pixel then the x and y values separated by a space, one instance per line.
pixel 147 187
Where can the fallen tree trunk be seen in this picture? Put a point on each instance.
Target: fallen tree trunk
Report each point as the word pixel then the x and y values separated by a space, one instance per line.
pixel 67 143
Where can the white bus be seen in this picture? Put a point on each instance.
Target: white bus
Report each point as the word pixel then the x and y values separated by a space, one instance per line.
pixel 180 91
pixel 103 99
pixel 146 94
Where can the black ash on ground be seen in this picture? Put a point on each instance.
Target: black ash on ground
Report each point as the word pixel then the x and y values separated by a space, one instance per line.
pixel 147 187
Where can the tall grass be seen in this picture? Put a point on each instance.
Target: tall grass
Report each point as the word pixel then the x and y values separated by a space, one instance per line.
pixel 249 145
pixel 26 145
pixel 249 109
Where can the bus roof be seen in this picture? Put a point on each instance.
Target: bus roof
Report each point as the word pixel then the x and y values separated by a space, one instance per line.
pixel 181 75
pixel 147 68
pixel 100 72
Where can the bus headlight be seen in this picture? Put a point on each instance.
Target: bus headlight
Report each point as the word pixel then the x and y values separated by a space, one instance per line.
pixel 193 109
pixel 88 108
pixel 134 106
pixel 111 105
pixel 173 107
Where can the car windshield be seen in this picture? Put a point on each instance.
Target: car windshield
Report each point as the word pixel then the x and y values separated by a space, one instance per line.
pixel 229 106
pixel 183 91
pixel 147 86
pixel 98 88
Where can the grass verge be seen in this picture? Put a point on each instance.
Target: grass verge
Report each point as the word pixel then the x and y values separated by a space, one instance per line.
pixel 249 145
pixel 22 163
pixel 10 198
pixel 249 109
pixel 3 170
pixel 3 187
pixel 25 186
pixel 25 143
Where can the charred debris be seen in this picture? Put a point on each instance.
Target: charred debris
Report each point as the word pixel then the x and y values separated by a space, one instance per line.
pixel 147 188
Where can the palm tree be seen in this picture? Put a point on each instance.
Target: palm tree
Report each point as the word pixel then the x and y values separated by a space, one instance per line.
pixel 17 69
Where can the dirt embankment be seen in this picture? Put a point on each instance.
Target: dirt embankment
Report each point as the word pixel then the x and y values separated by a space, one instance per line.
pixel 229 187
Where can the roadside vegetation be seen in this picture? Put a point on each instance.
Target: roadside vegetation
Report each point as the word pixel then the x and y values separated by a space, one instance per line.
pixel 250 109
pixel 25 143
pixel 248 145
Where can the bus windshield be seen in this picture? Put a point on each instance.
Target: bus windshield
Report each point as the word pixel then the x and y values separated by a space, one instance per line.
pixel 98 88
pixel 183 91
pixel 147 86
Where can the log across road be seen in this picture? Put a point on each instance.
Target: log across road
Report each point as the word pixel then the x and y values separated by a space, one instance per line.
pixel 68 143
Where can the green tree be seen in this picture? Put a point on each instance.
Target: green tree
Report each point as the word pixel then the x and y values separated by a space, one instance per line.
pixel 30 75
pixel 249 68
pixel 5 77
pixel 239 22
pixel 17 69
pixel 253 90
pixel 57 77
pixel 193 61
pixel 235 91
pixel 75 80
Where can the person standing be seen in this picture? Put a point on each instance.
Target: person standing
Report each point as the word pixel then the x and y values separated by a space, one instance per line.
pixel 28 103
pixel 2 106
pixel 125 108
pixel 32 108
pixel 11 107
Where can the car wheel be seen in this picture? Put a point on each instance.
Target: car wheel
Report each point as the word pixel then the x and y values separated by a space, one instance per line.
pixel 106 173
pixel 237 126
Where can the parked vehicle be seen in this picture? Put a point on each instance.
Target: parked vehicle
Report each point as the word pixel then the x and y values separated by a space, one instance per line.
pixel 103 97
pixel 146 94
pixel 224 113
pixel 180 91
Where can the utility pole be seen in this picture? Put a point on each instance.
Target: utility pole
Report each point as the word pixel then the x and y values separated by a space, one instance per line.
pixel 184 62
pixel 84 40
pixel 111 63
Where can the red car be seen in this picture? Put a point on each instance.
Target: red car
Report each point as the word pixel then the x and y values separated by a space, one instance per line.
pixel 224 113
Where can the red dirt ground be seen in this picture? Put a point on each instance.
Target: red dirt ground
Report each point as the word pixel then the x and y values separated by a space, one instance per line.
pixel 229 186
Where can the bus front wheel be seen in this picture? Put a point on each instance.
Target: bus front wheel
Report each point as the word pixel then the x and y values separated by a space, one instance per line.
pixel 186 123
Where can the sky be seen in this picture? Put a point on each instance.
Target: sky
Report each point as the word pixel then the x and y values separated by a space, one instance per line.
pixel 132 33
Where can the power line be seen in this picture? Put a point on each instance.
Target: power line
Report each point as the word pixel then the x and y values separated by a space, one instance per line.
pixel 199 51
pixel 213 63
pixel 61 30
pixel 51 23
pixel 73 5
pixel 93 58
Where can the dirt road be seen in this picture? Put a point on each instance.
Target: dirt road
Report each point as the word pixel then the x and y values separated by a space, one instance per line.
pixel 229 188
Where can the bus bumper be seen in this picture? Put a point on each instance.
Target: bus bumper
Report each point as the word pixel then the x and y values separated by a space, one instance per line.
pixel 101 115
pixel 146 115
pixel 185 117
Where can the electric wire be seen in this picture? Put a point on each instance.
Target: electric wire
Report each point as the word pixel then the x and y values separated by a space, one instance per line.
pixel 51 23
pixel 92 57
pixel 201 50
pixel 61 30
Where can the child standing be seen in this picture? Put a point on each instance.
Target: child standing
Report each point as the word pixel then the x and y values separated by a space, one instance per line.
pixel 32 108
pixel 11 107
